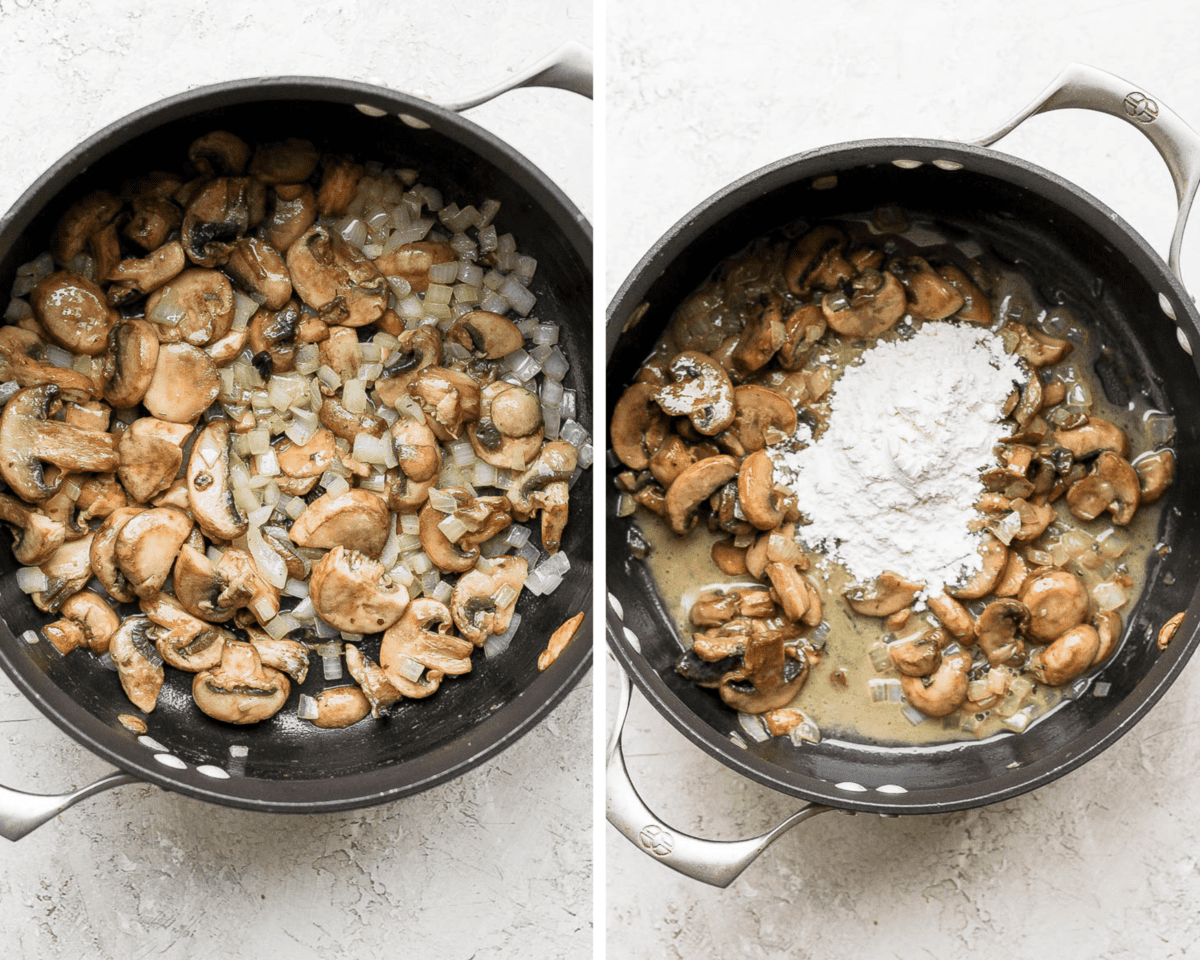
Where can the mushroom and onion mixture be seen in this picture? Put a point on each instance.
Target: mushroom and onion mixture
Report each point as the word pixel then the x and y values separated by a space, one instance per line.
pixel 279 405
pixel 745 380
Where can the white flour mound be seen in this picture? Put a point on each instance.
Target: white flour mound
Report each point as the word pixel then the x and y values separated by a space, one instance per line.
pixel 892 483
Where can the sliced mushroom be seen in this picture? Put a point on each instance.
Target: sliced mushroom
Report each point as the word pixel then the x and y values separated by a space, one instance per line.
pixel 761 412
pixel 509 430
pixel 491 334
pixel 760 338
pixel 455 556
pixel 338 707
pixel 83 219
pixel 342 423
pixel 483 604
pixel 240 689
pixel 1092 436
pixel 147 545
pixel 153 219
pixel 450 400
pixel 803 328
pixel 310 460
pixel 769 677
pixel 1112 485
pixel 375 685
pixel 355 519
pixel 411 262
pixel 86 620
pixel 756 491
pixel 138 665
pixel 336 279
pixel 944 691
pixel 544 487
pixel 130 363
pixel 74 312
pixel 35 536
pixel 184 641
pixel 420 465
pixel 954 617
pixel 29 439
pixel 339 183
pixel 1156 471
pixel 638 426
pixel 354 593
pixel 132 277
pixel 285 161
pixel 999 630
pixel 67 571
pixel 210 485
pixel 917 656
pixel 1065 658
pixel 1036 349
pixel 993 558
pixel 695 485
pixel 102 556
pixel 292 211
pixel 184 385
pixel 23 359
pixel 260 270
pixel 976 307
pixel 213 592
pixel 817 261
pixel 417 350
pixel 195 307
pixel 699 389
pixel 224 210
pixel 887 594
pixel 150 457
pixel 872 304
pixel 219 153
pixel 930 295
pixel 1057 601
pixel 416 658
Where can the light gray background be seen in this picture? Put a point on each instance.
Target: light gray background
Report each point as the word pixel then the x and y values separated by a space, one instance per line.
pixel 496 864
pixel 1103 863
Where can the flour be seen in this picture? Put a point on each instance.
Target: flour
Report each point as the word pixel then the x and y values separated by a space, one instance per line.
pixel 892 483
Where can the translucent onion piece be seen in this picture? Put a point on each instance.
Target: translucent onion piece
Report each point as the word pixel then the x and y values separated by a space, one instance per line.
pixel 498 643
pixel 32 580
pixel 270 564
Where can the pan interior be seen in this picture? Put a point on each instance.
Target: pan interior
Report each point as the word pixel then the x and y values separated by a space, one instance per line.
pixel 287 763
pixel 1079 255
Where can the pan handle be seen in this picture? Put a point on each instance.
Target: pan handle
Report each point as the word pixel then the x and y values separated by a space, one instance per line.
pixel 22 812
pixel 1087 88
pixel 567 68
pixel 718 862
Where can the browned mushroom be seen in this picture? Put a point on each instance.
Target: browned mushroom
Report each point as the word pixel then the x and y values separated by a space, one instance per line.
pixel 222 211
pixel 1057 601
pixel 147 545
pixel 354 593
pixel 700 390
pixel 482 604
pixel 411 262
pixel 339 183
pixel 184 384
pixel 219 153
pixel 195 307
pixel 509 430
pixel 373 682
pixel 803 328
pixel 817 261
pixel 760 338
pixel 240 689
pixel 133 277
pixel 336 279
pixel 130 363
pixel 138 665
pixel 882 597
pixel 873 304
pixel 1112 485
pixel 293 209
pixel 29 438
pixel 416 658
pixel 1092 436
pixel 999 630
pixel 23 359
pixel 74 312
pixel 638 426
pixel 490 334
pixel 285 161
pixel 417 350
pixel 944 691
pixel 355 519
pixel 1067 656
pixel 1156 471
pixel 930 295
pixel 210 485
pixel 84 218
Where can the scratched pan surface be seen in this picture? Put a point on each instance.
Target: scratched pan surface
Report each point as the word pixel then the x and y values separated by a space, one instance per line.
pixel 289 765
pixel 1082 255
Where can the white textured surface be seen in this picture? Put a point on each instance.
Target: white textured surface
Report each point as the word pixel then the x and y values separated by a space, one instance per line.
pixel 495 864
pixel 1102 863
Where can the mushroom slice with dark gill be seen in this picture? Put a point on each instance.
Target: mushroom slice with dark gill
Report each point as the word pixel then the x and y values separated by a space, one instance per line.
pixel 240 689
pixel 415 657
pixel 482 604
pixel 138 664
pixel 29 438
pixel 210 486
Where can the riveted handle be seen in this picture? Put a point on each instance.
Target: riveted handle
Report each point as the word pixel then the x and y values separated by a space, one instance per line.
pixel 718 862
pixel 1087 88
pixel 567 68
pixel 22 812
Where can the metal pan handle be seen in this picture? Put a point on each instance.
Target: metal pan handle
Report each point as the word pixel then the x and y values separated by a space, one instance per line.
pixel 1087 88
pixel 718 862
pixel 567 68
pixel 22 812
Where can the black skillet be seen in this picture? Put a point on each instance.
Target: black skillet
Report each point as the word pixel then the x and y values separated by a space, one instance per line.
pixel 287 765
pixel 1084 256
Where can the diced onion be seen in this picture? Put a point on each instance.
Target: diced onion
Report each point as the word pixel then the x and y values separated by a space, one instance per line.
pixel 496 644
pixel 32 580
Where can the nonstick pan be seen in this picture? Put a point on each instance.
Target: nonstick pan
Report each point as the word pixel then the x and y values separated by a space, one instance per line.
pixel 1083 256
pixel 287 765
